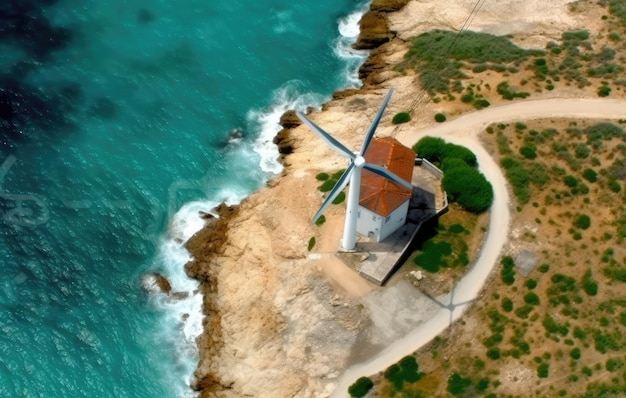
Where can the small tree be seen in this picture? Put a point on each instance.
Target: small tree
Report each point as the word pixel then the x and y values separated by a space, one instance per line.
pixel 401 117
pixel 582 221
pixel 360 387
pixel 440 117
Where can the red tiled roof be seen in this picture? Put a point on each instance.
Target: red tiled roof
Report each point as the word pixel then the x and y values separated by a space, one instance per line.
pixel 377 193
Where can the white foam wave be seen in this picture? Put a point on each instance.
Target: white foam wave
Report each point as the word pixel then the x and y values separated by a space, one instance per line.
pixel 267 121
pixel 348 33
pixel 183 316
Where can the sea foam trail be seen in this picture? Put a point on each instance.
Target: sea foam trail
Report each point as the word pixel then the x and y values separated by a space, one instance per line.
pixel 348 33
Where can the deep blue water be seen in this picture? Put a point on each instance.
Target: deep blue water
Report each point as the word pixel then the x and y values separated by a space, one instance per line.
pixel 116 122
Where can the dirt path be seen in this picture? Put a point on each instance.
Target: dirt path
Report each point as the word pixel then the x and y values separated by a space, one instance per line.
pixel 464 131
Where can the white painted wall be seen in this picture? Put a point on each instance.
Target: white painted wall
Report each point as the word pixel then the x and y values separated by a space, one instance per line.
pixel 377 227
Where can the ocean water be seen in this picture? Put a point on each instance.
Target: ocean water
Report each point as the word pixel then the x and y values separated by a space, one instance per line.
pixel 119 121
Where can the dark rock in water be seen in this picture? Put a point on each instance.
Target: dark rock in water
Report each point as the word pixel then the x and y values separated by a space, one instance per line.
pixel 144 16
pixel 205 215
pixel 104 108
pixel 155 282
pixel 179 295
pixel 284 141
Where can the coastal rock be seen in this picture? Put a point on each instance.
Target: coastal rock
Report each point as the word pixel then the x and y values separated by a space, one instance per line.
pixel 290 120
pixel 284 142
pixel 388 5
pixel 156 283
pixel 374 31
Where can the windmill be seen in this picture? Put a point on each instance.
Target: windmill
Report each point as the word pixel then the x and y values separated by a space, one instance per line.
pixel 352 174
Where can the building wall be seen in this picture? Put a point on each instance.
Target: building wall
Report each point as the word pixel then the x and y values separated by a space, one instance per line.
pixel 377 227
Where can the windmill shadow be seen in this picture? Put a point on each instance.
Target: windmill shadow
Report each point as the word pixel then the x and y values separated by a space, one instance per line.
pixel 451 306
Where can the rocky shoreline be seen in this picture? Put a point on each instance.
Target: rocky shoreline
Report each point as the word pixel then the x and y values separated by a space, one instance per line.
pixel 214 257
pixel 277 323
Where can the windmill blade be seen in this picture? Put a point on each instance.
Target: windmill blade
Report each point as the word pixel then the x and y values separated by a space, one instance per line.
pixel 339 186
pixel 383 172
pixel 370 133
pixel 332 142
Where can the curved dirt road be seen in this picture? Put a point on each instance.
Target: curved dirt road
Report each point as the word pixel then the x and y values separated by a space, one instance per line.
pixel 464 131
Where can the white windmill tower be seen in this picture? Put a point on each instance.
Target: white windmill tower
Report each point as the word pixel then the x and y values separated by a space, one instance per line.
pixel 353 175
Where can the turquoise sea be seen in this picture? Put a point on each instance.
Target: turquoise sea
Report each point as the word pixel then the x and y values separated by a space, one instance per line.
pixel 119 121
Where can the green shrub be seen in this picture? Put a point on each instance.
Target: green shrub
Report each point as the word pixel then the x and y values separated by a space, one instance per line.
pixel 615 186
pixel 543 268
pixel 590 175
pixel 582 151
pixel 507 304
pixel 321 220
pixel 322 176
pixel 432 256
pixel 469 188
pixel 360 387
pixel 531 298
pixel 523 311
pixel 327 185
pixel 590 286
pixel 493 353
pixel 582 221
pixel 570 181
pixel 552 326
pixel 440 117
pixel 467 98
pixel 528 152
pixel 481 103
pixel 482 384
pixel 457 384
pixel 430 148
pixel 508 93
pixel 339 198
pixel 507 273
pixel 530 284
pixel 604 91
pixel 311 243
pixel 543 370
pixel 406 370
pixel 575 353
pixel 402 117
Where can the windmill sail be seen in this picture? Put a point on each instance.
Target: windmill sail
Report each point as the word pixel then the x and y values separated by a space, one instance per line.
pixel 352 175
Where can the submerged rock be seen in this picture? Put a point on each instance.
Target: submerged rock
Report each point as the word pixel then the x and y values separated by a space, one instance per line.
pixel 154 282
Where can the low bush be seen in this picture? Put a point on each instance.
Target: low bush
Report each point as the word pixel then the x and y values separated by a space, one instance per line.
pixel 507 273
pixel 543 370
pixel 339 198
pixel 311 243
pixel 582 221
pixel 440 118
pixel 590 175
pixel 321 220
pixel 590 286
pixel 360 387
pixel 457 384
pixel 402 117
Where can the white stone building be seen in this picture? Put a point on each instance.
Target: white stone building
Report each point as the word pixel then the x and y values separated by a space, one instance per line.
pixel 383 205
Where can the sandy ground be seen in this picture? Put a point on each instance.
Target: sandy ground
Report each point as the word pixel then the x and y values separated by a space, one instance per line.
pixel 464 131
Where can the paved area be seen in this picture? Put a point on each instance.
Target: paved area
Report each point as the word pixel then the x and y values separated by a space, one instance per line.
pixel 377 261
